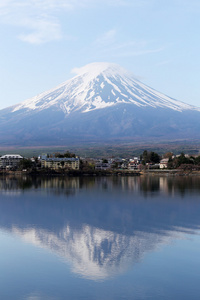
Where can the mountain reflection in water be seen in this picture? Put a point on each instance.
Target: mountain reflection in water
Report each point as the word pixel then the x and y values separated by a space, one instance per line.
pixel 102 226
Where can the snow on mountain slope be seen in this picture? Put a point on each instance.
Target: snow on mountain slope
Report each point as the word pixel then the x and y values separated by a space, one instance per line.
pixel 97 86
pixel 85 248
pixel 102 102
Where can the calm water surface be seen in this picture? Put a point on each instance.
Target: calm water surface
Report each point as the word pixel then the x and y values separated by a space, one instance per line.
pixel 100 238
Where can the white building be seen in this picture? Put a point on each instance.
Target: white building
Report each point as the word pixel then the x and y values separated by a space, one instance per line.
pixel 10 160
pixel 164 163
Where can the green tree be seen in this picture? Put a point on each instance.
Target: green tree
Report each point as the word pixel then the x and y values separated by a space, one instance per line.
pixel 25 163
pixel 145 157
pixel 168 155
pixel 154 157
pixel 67 154
pixel 176 162
pixel 197 160
pixel 104 161
pixel 170 163
pixel 148 157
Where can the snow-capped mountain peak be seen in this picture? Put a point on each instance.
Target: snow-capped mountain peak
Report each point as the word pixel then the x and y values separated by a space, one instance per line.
pixel 93 70
pixel 101 102
pixel 98 86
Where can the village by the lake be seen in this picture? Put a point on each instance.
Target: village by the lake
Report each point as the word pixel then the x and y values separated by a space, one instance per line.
pixel 68 163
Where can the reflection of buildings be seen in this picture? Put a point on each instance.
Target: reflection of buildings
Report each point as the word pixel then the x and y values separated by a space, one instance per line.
pixel 60 183
pixel 148 185
pixel 15 185
pixel 10 186
pixel 130 183
pixel 164 186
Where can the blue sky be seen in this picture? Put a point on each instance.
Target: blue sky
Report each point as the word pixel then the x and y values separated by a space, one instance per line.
pixel 43 40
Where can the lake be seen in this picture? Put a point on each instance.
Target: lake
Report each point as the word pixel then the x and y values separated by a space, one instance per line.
pixel 100 238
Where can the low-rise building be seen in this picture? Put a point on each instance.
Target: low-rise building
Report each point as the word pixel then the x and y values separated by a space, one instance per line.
pixel 132 166
pixel 133 163
pixel 164 163
pixel 60 163
pixel 102 164
pixel 10 160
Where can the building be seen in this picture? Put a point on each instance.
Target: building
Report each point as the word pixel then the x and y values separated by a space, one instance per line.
pixel 9 161
pixel 102 166
pixel 60 163
pixel 133 163
pixel 164 163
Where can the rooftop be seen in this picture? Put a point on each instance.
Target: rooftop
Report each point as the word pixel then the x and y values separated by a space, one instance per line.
pixel 9 156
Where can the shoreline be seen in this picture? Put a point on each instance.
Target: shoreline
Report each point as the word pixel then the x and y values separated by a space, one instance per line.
pixel 101 173
pixel 172 172
pixel 72 173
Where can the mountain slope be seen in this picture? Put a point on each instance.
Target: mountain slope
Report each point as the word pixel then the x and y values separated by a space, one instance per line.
pixel 102 102
pixel 101 85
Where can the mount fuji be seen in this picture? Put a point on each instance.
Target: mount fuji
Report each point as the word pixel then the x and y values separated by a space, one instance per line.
pixel 103 102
